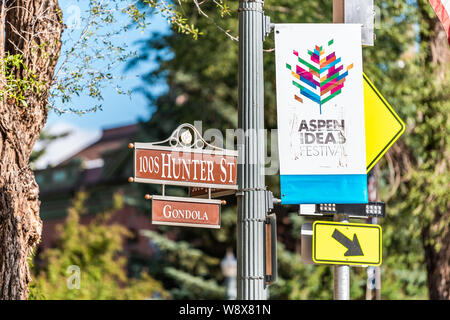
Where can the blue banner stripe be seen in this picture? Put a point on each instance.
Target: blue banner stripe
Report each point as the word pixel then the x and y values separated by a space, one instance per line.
pixel 305 189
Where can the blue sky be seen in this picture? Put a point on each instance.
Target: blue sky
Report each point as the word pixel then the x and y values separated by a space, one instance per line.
pixel 117 109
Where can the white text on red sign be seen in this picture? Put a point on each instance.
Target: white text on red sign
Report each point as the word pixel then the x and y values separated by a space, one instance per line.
pixel 184 167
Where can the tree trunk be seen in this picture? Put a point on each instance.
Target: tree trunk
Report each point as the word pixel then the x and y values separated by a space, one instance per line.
pixel 33 29
pixel 437 252
pixel 438 257
pixel 438 267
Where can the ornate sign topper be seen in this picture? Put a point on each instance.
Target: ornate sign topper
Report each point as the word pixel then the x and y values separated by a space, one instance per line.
pixel 188 160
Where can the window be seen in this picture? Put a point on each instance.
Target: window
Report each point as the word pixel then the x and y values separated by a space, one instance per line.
pixel 39 179
pixel 59 176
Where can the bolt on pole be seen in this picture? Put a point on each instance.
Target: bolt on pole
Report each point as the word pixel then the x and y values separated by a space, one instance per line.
pixel 251 193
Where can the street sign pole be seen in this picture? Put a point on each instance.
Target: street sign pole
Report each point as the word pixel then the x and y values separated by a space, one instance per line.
pixel 341 272
pixel 373 196
pixel 251 193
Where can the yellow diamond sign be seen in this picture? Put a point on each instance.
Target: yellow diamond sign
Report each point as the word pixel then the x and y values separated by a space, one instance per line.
pixel 346 243
pixel 383 125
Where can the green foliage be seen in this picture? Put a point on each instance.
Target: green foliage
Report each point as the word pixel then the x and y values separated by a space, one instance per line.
pixel 171 13
pixel 189 273
pixel 414 178
pixel 194 287
pixel 298 281
pixel 14 87
pixel 95 251
pixel 91 52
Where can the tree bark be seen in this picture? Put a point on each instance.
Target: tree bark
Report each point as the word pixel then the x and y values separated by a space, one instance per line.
pixel 438 267
pixel 437 257
pixel 33 29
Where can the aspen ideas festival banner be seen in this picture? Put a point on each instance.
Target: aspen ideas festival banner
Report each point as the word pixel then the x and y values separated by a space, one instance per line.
pixel 320 107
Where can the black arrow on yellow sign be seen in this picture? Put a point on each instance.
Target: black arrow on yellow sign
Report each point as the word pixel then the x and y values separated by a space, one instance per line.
pixel 354 249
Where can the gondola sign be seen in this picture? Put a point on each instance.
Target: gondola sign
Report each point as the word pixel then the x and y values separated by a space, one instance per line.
pixel 187 212
pixel 187 161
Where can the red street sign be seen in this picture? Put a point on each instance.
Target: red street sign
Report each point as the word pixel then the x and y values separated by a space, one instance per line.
pixel 188 212
pixel 198 192
pixel 185 167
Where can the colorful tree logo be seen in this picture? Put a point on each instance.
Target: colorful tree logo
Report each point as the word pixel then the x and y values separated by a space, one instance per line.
pixel 321 80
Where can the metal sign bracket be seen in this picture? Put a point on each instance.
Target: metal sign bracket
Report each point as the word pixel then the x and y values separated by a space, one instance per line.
pixel 354 210
pixel 267 26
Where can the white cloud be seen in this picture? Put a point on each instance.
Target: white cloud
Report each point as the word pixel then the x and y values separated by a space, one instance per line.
pixel 61 149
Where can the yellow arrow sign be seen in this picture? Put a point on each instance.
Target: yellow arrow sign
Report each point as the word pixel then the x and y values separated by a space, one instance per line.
pixel 383 125
pixel 346 243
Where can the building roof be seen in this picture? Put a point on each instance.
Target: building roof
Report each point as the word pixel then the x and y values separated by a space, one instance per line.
pixel 111 139
pixel 90 166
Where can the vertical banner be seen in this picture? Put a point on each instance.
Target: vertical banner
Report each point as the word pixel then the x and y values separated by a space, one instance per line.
pixel 320 107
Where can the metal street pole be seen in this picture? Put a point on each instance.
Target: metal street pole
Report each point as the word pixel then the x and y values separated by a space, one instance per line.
pixel 377 280
pixel 353 11
pixel 341 273
pixel 251 193
pixel 373 196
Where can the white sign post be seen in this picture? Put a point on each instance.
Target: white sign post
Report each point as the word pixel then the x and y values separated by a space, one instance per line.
pixel 320 104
